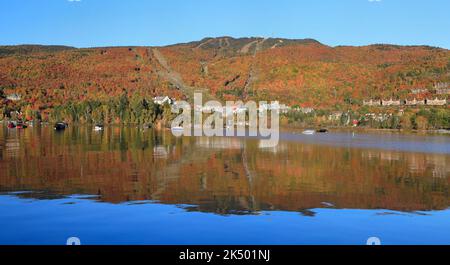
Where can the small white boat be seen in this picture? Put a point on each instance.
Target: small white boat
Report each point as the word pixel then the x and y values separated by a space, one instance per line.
pixel 309 132
pixel 98 128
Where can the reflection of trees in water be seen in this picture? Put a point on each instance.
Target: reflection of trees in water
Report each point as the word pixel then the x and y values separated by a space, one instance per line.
pixel 222 175
pixel 249 176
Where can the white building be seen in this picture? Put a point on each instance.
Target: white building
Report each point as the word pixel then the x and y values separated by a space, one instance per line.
pixel 419 91
pixel 391 102
pixel 372 102
pixel 414 102
pixel 162 100
pixel 436 102
pixel 304 110
pixel 14 97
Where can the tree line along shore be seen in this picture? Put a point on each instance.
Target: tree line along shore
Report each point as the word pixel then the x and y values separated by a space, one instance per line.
pixel 135 109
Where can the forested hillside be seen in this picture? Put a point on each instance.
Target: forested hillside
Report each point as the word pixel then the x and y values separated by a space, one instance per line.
pixel 302 73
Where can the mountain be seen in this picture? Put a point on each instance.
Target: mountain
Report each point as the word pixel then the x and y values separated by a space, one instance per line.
pixel 28 49
pixel 233 47
pixel 301 72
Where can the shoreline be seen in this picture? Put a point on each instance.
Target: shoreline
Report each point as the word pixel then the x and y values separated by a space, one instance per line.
pixel 368 129
pixel 284 128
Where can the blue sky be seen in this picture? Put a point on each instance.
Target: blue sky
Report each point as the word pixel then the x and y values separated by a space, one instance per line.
pixel 88 23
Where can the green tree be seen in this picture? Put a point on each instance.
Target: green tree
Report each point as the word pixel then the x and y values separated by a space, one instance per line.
pixel 421 123
pixel 2 93
pixel 122 109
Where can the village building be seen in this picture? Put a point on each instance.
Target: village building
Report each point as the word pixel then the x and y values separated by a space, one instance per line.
pixel 443 91
pixel 274 106
pixel 436 102
pixel 14 97
pixel 303 110
pixel 419 91
pixel 407 102
pixel 335 116
pixel 380 117
pixel 284 108
pixel 210 109
pixel 442 88
pixel 441 85
pixel 414 102
pixel 162 100
pixel 390 102
pixel 372 102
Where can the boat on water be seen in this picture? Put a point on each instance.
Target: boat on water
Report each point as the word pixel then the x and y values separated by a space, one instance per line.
pixel 98 127
pixel 60 126
pixel 21 125
pixel 147 126
pixel 11 125
pixel 322 131
pixel 309 132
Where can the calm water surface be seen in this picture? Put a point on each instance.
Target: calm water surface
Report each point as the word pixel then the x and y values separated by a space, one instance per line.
pixel 128 186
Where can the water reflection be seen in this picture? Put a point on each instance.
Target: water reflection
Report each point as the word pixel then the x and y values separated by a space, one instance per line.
pixel 219 175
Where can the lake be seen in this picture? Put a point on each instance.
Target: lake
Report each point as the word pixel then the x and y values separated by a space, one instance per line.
pixel 132 186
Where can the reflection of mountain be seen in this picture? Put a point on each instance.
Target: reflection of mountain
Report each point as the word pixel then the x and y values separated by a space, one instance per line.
pixel 222 175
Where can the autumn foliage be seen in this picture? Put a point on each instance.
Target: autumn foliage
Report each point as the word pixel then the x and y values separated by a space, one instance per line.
pixel 296 72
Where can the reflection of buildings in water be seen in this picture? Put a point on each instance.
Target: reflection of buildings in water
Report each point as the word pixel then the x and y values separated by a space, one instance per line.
pixel 441 172
pixel 12 148
pixel 382 155
pixel 160 151
pixel 417 163
pixel 390 156
pixel 268 147
pixel 203 183
pixel 219 142
pixel 441 169
pixel 437 163
pixel 232 175
pixel 370 155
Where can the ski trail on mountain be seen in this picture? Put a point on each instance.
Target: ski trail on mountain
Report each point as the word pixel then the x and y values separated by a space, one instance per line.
pixel 247 47
pixel 169 74
pixel 175 78
pixel 252 77
pixel 204 43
